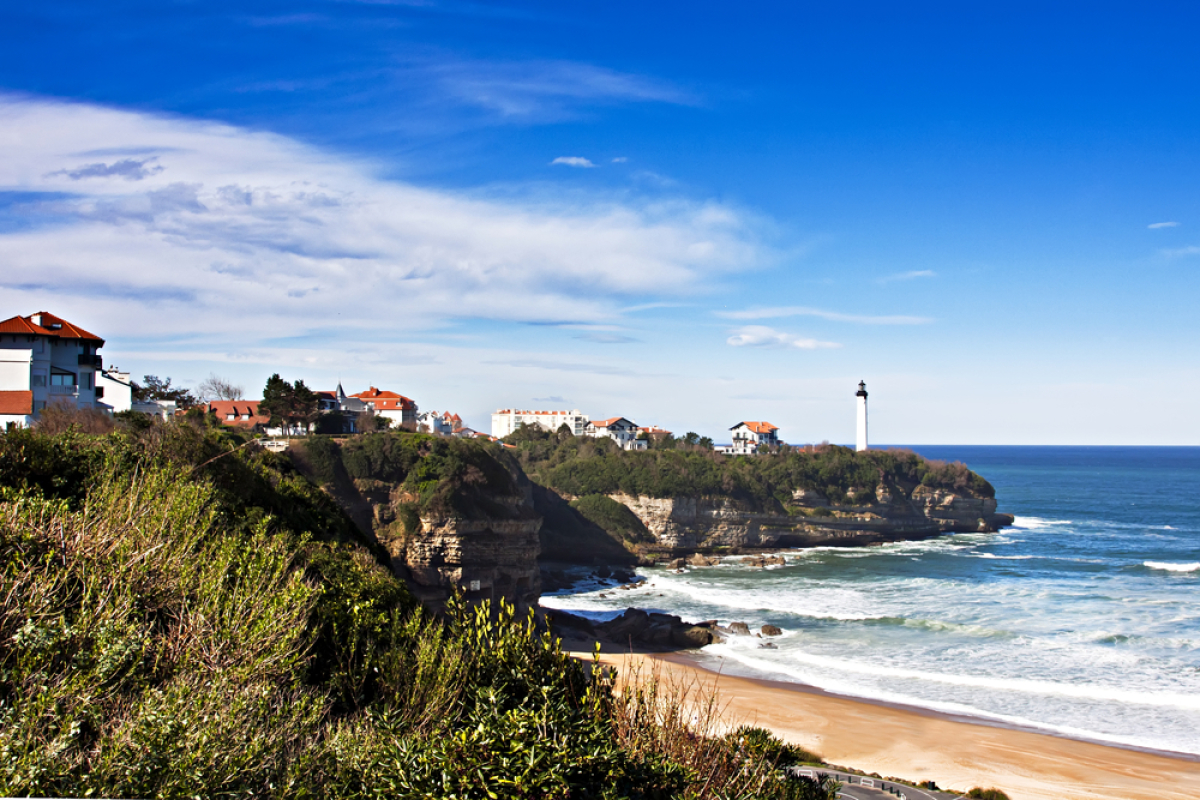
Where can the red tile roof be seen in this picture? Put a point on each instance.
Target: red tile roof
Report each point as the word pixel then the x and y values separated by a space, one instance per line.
pixel 16 402
pixel 50 326
pixel 757 427
pixel 221 409
pixel 384 400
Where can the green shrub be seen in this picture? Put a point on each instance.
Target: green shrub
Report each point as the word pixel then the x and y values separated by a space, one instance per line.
pixel 613 517
pixel 987 794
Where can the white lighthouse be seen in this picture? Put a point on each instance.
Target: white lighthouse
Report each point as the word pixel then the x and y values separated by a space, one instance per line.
pixel 861 440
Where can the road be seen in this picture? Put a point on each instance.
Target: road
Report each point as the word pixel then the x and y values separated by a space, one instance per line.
pixel 857 787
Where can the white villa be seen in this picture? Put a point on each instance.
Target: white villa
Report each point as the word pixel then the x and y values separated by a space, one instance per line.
pixel 622 431
pixel 747 436
pixel 44 359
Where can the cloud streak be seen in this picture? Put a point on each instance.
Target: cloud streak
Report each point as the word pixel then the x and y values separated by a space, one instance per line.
pixel 1157 225
pixel 832 316
pixel 908 276
pixel 238 234
pixel 573 161
pixel 762 336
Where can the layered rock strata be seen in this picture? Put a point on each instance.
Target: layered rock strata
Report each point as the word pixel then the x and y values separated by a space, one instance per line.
pixel 491 557
pixel 690 524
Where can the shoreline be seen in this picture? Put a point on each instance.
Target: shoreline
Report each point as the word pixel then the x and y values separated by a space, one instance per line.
pixel 914 743
pixel 689 659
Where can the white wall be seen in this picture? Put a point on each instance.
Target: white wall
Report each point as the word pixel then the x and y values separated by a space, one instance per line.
pixel 15 369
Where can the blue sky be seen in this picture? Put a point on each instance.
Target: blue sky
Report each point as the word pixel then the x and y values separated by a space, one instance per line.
pixel 688 213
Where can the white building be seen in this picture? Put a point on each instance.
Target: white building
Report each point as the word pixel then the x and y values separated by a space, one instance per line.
pixel 747 436
pixel 399 409
pixel 43 360
pixel 507 420
pixel 116 391
pixel 441 424
pixel 860 439
pixel 622 431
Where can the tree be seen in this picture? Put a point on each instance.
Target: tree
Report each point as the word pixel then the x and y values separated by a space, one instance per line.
pixel 289 405
pixel 151 388
pixel 216 388
pixel 691 438
pixel 705 443
pixel 369 421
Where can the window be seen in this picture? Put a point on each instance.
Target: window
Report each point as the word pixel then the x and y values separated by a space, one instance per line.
pixel 88 382
pixel 37 380
pixel 62 379
pixel 231 416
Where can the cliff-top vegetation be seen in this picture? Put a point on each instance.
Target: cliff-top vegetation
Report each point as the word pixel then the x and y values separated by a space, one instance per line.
pixel 186 615
pixel 582 467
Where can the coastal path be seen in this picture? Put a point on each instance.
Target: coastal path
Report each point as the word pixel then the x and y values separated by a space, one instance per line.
pixel 864 787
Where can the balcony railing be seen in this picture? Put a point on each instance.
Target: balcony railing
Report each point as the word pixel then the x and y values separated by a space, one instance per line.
pixel 64 391
pixel 89 360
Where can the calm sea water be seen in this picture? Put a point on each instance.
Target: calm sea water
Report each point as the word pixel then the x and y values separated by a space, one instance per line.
pixel 1082 619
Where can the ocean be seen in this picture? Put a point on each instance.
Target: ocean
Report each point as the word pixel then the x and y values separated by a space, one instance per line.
pixel 1082 619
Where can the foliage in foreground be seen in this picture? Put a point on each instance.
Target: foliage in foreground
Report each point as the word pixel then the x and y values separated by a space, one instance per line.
pixel 184 617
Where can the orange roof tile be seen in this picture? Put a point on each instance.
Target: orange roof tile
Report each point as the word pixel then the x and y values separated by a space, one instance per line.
pixel 51 326
pixel 757 427
pixel 16 402
pixel 223 408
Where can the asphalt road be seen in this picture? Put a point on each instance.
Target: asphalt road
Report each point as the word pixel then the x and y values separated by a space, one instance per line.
pixel 856 787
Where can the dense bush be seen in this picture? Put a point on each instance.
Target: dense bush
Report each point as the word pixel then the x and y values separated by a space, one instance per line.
pixel 184 615
pixel 581 467
pixel 450 476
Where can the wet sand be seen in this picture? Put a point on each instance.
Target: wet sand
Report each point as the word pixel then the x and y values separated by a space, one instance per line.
pixel 917 745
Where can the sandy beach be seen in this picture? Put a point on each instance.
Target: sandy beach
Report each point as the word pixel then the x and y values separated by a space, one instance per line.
pixel 918 745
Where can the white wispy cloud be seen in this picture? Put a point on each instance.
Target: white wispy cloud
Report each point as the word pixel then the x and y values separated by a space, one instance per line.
pixel 573 161
pixel 538 88
pixel 1156 225
pixel 620 160
pixel 1176 252
pixel 232 235
pixel 762 336
pixel 833 316
pixel 908 276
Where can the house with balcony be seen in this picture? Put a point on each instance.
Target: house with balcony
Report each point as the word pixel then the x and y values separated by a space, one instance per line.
pixel 622 431
pixel 749 436
pixel 44 359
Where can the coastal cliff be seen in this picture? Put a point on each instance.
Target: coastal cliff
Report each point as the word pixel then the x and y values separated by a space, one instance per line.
pixel 452 515
pixel 665 503
pixel 691 524
pixel 477 518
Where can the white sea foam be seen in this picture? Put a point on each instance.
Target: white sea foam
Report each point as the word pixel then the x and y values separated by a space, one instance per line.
pixel 1005 558
pixel 1162 699
pixel 1172 566
pixel 763 667
pixel 1038 523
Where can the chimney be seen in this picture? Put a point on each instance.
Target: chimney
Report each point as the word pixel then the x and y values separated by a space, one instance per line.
pixel 36 319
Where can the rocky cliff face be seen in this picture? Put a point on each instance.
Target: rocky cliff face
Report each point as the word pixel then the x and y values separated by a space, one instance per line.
pixel 489 557
pixel 685 524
